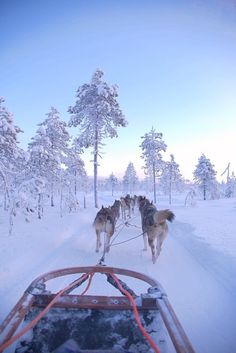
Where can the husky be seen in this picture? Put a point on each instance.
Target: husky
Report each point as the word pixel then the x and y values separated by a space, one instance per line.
pixel 126 204
pixel 141 201
pixel 104 222
pixel 154 226
pixel 115 208
pixel 134 201
pixel 144 204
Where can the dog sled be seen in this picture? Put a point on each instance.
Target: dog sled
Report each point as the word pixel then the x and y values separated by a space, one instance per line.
pixel 64 322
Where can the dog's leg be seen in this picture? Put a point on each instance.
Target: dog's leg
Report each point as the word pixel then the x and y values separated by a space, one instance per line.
pixel 98 243
pixel 129 212
pixel 152 246
pixel 107 246
pixel 158 246
pixel 145 241
pixel 122 212
pixel 163 234
pixel 132 206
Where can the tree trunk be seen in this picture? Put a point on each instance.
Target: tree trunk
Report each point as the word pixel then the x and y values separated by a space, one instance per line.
pixel 95 179
pixel 75 186
pixel 61 200
pixel 154 183
pixel 95 168
pixel 52 195
pixel 39 206
pixel 52 201
pixel 10 222
pixel 5 201
pixel 170 191
pixel 12 213
pixel 6 192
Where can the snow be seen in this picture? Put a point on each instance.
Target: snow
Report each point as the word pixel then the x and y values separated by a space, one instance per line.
pixel 197 265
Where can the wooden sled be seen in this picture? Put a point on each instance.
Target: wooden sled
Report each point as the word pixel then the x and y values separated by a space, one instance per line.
pixel 81 323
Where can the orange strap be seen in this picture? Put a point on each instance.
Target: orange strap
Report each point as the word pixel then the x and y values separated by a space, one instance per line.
pixel 136 314
pixel 89 283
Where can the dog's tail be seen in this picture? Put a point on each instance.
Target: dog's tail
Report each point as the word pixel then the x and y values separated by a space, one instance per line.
pixel 163 215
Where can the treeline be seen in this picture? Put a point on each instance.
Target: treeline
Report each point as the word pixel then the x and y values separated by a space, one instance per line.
pixel 53 165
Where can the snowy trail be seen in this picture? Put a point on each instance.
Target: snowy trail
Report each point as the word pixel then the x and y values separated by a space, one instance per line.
pixel 189 284
pixel 183 270
pixel 189 281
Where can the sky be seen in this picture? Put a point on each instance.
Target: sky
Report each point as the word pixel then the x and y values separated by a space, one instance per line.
pixel 173 61
pixel 196 266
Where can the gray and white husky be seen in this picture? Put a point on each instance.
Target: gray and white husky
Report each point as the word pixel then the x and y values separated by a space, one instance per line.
pixel 105 221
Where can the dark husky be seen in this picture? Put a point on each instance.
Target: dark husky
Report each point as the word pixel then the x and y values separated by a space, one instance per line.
pixel 104 222
pixel 154 226
pixel 115 208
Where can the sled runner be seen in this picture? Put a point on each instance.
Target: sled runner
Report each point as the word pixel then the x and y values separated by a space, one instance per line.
pixel 45 322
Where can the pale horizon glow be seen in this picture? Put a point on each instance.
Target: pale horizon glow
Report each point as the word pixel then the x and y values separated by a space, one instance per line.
pixel 210 147
pixel 174 65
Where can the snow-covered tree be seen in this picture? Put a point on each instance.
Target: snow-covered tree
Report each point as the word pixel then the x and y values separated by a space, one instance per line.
pixel 112 182
pixel 39 164
pixel 230 187
pixel 68 198
pixel 75 171
pixel 152 146
pixel 171 178
pixel 130 179
pixel 57 149
pixel 12 163
pixel 97 114
pixel 25 196
pixel 205 176
pixel 11 155
pixel 190 198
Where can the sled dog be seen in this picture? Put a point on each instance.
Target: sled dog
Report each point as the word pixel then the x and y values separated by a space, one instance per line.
pixel 154 226
pixel 115 208
pixel 104 222
pixel 126 206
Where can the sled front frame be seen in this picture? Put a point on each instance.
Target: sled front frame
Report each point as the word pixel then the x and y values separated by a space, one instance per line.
pixel 33 297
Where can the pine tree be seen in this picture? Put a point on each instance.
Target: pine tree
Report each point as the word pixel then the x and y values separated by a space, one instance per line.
pixel 75 172
pixel 10 153
pixel 12 160
pixel 57 149
pixel 205 175
pixel 230 186
pixel 112 181
pixel 39 164
pixel 171 178
pixel 97 113
pixel 130 179
pixel 152 146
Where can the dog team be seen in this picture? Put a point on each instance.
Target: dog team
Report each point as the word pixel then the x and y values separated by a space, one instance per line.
pixel 154 222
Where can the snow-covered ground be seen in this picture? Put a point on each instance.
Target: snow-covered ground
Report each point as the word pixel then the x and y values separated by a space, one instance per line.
pixel 197 266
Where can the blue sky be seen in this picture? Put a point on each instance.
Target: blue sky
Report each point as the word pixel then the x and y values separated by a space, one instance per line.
pixel 174 63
